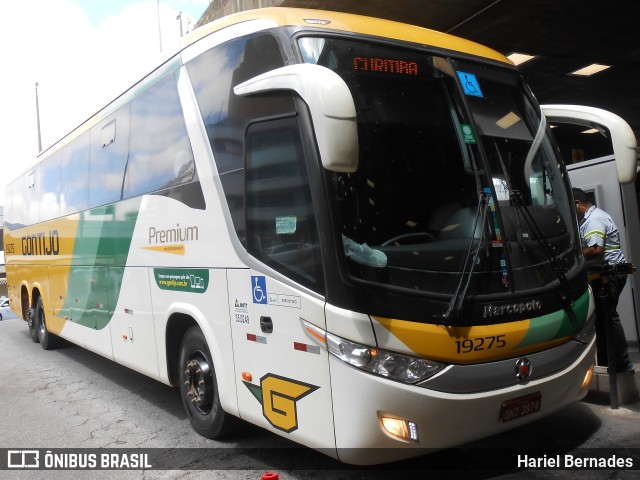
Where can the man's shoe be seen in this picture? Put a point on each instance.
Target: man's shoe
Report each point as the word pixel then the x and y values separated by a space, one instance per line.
pixel 628 368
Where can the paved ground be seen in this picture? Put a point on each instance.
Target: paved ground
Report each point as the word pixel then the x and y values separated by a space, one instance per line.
pixel 72 398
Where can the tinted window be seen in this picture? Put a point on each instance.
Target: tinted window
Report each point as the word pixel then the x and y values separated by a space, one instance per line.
pixel 31 206
pixel 48 187
pixel 160 153
pixel 74 172
pixel 109 151
pixel 8 203
pixel 226 116
pixel 281 226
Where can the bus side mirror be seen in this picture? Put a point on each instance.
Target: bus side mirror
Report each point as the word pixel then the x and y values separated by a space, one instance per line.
pixel 332 109
pixel 622 137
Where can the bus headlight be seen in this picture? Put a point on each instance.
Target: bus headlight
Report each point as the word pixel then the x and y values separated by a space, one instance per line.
pixel 391 365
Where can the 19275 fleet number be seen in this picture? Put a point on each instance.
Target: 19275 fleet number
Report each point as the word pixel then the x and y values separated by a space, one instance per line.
pixel 480 343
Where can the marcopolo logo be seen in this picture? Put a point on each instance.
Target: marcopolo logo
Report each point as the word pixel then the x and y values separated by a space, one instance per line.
pixel 491 311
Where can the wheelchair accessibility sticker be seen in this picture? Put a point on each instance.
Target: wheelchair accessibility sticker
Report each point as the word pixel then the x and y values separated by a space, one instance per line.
pixel 259 289
pixel 470 84
pixel 260 295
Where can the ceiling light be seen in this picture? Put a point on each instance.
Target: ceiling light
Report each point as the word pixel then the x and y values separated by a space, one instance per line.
pixel 590 70
pixel 591 130
pixel 520 58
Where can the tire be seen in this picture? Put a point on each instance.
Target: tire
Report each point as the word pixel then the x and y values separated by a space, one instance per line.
pixel 199 387
pixel 48 341
pixel 33 328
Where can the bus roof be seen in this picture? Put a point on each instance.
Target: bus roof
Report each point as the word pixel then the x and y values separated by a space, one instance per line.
pixel 281 16
pixel 349 23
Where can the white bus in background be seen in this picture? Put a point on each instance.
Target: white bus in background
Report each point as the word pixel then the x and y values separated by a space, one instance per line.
pixel 592 167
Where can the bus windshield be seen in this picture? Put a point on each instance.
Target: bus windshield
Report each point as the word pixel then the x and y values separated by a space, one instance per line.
pixel 458 184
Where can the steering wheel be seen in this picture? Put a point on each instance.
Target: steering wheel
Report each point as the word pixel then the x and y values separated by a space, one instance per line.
pixel 428 236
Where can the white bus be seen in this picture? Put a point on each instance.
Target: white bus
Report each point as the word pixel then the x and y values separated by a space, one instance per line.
pixel 590 140
pixel 352 232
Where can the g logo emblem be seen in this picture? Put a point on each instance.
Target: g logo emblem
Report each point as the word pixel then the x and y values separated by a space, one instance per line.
pixel 279 396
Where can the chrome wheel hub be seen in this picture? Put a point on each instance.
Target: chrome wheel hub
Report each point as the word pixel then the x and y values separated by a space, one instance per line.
pixel 199 383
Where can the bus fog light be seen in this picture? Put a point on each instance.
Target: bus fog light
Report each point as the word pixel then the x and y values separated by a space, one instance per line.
pixel 401 428
pixel 587 379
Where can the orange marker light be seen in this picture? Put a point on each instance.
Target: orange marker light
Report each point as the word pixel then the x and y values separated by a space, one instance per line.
pixel 247 377
pixel 316 335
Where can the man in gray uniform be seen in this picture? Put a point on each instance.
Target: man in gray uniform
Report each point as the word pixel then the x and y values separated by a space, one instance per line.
pixel 601 241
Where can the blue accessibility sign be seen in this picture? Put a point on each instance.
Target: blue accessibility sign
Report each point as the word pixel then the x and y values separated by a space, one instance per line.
pixel 259 289
pixel 470 84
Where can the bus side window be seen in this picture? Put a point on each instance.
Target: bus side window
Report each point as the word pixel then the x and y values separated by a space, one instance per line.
pixel 281 225
pixel 16 215
pixel 22 205
pixel 109 152
pixel 74 174
pixel 160 154
pixel 48 187
pixel 213 74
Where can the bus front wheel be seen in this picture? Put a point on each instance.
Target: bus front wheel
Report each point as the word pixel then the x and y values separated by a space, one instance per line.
pixel 199 388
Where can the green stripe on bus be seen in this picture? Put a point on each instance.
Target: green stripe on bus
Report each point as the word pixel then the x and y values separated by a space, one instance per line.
pixel 100 254
pixel 557 324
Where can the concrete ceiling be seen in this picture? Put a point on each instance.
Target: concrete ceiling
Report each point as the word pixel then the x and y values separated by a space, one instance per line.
pixel 564 34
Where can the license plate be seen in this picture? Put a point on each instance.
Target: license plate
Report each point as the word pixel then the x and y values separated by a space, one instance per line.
pixel 521 406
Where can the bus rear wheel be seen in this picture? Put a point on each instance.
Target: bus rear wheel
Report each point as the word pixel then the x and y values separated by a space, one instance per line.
pixel 48 341
pixel 199 388
pixel 33 329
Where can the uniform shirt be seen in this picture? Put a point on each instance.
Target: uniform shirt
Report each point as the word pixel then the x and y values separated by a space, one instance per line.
pixel 597 228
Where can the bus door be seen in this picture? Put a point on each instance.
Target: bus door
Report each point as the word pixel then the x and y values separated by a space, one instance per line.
pixel 604 164
pixel 132 325
pixel 282 375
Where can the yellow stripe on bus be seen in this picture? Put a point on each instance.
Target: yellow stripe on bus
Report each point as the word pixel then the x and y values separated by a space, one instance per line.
pixel 46 251
pixel 465 345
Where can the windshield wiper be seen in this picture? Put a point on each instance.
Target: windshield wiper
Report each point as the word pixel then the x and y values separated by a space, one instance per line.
pixel 565 291
pixel 457 301
pixel 516 200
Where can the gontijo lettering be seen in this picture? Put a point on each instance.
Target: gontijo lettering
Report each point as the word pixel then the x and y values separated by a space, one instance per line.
pixel 42 243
